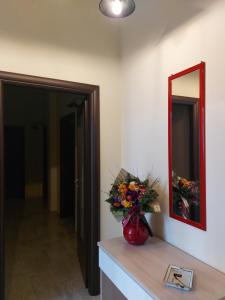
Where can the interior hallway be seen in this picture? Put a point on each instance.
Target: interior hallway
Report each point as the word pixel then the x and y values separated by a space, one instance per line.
pixel 41 260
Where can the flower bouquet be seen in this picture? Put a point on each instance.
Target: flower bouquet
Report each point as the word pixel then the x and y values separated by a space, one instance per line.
pixel 131 198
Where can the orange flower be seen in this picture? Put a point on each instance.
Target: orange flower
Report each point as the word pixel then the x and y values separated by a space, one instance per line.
pixel 133 186
pixel 122 188
pixel 126 204
pixel 184 182
pixel 116 204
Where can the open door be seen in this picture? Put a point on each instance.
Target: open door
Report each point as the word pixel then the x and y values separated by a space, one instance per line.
pixel 80 191
pixel 2 260
pixel 89 231
pixel 67 166
pixel 45 167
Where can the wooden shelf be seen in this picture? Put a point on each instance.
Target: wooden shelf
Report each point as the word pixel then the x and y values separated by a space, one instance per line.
pixel 138 271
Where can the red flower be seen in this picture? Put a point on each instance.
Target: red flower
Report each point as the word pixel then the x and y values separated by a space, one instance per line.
pixel 129 198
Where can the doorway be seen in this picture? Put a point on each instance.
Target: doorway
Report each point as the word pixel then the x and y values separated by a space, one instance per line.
pixel 91 170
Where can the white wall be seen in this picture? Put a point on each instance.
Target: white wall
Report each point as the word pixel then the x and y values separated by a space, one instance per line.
pixel 160 39
pixel 71 41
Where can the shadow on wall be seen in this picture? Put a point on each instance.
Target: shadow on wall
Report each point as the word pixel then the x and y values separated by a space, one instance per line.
pixel 75 25
pixel 155 19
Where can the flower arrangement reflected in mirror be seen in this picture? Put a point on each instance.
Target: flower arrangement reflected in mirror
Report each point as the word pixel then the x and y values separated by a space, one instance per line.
pixel 186 195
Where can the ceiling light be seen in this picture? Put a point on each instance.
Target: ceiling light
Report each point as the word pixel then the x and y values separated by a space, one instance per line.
pixel 117 8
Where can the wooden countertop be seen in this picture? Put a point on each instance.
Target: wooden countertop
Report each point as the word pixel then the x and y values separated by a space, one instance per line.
pixel 147 265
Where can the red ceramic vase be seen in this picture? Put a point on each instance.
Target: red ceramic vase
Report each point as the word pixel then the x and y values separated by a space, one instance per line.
pixel 135 232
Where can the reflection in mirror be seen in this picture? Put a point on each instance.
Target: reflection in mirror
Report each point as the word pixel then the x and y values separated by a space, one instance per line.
pixel 185 158
pixel 185 141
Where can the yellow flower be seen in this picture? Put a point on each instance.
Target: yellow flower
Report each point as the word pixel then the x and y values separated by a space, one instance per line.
pixel 126 204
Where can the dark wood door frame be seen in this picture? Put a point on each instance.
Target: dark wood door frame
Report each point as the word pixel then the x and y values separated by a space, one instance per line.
pixel 92 167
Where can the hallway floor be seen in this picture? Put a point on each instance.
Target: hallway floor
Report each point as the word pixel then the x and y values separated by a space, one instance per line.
pixel 41 260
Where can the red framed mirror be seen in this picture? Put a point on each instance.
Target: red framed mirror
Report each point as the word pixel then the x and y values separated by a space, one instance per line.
pixel 186 118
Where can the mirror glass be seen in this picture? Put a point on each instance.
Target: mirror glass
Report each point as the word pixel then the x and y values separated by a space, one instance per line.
pixel 185 148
